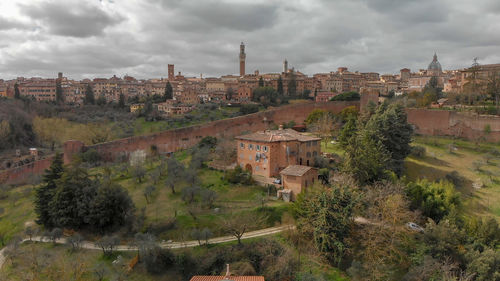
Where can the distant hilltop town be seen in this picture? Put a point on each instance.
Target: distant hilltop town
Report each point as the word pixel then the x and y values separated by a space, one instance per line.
pixel 239 88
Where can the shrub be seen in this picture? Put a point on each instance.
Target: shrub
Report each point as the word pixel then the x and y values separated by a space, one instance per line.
pixel 434 199
pixel 158 260
pixel 249 108
pixel 347 96
pixel 418 151
pixel 91 156
pixel 237 175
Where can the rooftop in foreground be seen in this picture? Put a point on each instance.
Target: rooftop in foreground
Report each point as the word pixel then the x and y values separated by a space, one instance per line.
pixel 233 278
pixel 277 136
pixel 296 170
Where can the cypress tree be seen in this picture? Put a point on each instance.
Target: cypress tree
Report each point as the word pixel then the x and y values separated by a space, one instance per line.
pixel 45 193
pixel 17 94
pixel 121 101
pixel 261 82
pixel 280 86
pixel 169 94
pixel 89 95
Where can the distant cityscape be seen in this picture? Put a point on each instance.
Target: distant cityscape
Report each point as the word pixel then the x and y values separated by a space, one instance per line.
pixel 194 90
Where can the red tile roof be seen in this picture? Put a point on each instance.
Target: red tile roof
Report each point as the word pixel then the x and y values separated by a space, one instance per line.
pixel 233 278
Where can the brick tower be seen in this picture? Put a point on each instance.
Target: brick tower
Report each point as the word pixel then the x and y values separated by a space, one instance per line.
pixel 171 75
pixel 242 59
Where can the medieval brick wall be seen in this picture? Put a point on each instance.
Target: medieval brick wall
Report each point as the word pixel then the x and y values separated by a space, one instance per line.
pixel 22 174
pixel 176 139
pixel 459 124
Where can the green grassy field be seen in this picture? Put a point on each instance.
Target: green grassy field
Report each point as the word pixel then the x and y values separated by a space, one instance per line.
pixel 445 155
pixel 476 163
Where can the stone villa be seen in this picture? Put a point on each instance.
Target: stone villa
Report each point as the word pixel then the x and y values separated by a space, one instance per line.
pixel 282 153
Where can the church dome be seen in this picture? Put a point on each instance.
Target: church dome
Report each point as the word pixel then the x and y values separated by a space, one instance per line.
pixel 435 65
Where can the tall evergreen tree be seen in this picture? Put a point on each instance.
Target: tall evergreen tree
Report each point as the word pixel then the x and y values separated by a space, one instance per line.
pixel 261 82
pixel 280 86
pixel 390 126
pixel 59 92
pixel 347 132
pixel 292 85
pixel 169 94
pixel 75 191
pixel 45 193
pixel 89 95
pixel 121 101
pixel 17 94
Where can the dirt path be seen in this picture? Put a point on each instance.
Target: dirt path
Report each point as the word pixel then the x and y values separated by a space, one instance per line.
pixel 172 245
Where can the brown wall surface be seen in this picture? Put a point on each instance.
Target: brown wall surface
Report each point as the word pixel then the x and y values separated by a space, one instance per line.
pixel 176 139
pixel 450 123
pixel 21 174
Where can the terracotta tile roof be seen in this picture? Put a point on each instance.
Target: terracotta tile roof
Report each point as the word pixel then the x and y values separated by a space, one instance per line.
pixel 277 135
pixel 233 278
pixel 296 170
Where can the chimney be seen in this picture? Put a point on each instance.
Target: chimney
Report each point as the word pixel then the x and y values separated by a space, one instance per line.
pixel 280 127
pixel 227 272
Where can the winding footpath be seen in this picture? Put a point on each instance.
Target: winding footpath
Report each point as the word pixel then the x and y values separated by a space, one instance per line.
pixel 177 245
pixel 168 245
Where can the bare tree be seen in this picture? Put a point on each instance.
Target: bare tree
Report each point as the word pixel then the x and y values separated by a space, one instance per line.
pixel 238 225
pixel 75 241
pixel 107 244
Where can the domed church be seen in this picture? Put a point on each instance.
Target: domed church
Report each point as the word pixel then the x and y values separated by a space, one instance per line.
pixel 434 68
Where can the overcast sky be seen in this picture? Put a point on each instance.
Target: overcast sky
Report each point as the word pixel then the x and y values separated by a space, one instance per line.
pixel 91 38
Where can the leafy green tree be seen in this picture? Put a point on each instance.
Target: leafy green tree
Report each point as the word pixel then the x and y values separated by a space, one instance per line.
pixel 89 95
pixel 292 85
pixel 266 96
pixel 175 170
pixel 169 93
pixel 229 94
pixel 17 93
pixel 366 159
pixel 45 192
pixel 347 132
pixel 101 100
pixel 280 86
pixel 434 199
pixel 315 116
pixel 111 207
pixel 326 217
pixel 347 96
pixel 261 82
pixel 389 126
pixel 73 197
pixel 121 101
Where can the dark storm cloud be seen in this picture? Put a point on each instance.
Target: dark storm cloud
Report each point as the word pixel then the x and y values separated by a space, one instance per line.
pixel 101 38
pixel 78 19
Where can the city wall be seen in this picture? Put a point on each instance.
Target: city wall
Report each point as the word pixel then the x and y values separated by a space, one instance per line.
pixel 458 124
pixel 426 122
pixel 24 173
pixel 177 139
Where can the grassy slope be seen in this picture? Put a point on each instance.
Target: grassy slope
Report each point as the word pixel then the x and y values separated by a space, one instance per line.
pixel 438 162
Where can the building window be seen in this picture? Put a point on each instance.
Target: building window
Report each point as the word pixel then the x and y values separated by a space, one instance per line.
pixel 250 157
pixel 308 154
pixel 315 143
pixel 250 146
pixel 257 147
pixel 257 157
pixel 242 145
pixel 315 153
pixel 265 148
pixel 308 143
pixel 256 168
